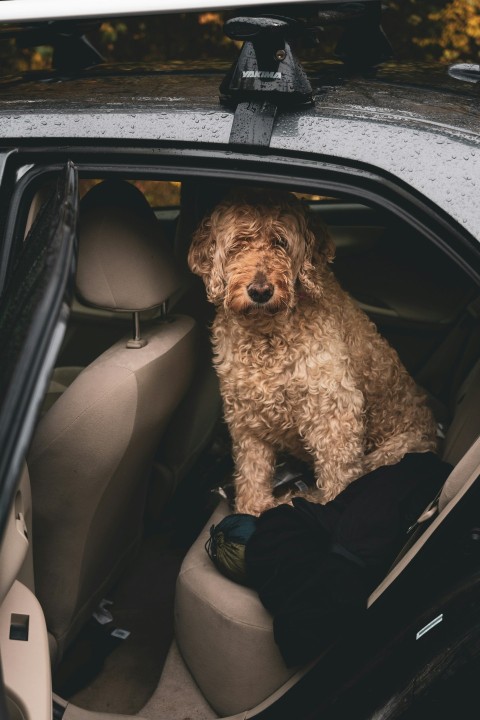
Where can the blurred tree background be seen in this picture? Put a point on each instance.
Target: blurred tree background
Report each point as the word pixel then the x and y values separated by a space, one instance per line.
pixel 419 30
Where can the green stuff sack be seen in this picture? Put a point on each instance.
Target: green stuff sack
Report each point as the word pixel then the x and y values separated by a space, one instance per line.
pixel 226 545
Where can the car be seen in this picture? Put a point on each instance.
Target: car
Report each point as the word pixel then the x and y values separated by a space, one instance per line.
pixel 115 460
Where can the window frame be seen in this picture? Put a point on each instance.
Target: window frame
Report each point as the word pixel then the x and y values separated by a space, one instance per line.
pixel 355 181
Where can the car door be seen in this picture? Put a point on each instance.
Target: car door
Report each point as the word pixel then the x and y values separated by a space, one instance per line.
pixel 34 307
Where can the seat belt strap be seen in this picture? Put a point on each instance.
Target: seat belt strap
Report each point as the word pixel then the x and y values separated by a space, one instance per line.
pixel 457 478
pixel 468 465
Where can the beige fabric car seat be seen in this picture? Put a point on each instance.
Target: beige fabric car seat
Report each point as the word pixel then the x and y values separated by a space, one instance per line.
pixel 92 451
pixel 224 633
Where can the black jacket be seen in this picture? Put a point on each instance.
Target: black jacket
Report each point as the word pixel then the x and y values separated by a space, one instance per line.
pixel 314 566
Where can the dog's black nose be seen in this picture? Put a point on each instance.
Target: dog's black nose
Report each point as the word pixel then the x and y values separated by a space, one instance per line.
pixel 260 292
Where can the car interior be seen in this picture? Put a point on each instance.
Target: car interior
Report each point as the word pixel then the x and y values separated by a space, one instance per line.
pixel 130 463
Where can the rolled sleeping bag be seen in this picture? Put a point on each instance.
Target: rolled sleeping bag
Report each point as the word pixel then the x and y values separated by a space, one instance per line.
pixel 226 545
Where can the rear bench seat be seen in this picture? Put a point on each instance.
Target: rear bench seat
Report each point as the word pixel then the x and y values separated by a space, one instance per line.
pixel 224 633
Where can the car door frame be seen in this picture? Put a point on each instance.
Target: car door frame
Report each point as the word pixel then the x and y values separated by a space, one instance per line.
pixel 51 243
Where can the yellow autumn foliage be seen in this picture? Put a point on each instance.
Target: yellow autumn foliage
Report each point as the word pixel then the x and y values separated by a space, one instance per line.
pixel 459 37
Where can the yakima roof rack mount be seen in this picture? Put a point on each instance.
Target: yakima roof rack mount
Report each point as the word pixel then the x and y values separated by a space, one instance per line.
pixel 267 76
pixel 266 64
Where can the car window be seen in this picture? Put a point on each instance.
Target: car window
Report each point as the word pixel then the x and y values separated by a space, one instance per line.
pixel 159 193
pixel 162 195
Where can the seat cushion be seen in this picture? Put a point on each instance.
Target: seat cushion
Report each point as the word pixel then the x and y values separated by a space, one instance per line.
pixel 224 633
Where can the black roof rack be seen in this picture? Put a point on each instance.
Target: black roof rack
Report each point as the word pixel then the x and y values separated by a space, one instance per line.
pixel 267 65
pixel 72 51
pixel 268 74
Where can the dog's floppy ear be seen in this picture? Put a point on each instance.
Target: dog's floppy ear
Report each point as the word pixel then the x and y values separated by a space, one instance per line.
pixel 319 251
pixel 202 260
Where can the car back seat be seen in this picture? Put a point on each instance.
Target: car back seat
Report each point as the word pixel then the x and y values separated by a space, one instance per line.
pixel 225 634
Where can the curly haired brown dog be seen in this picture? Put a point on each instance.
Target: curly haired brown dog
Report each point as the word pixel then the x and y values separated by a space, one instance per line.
pixel 302 369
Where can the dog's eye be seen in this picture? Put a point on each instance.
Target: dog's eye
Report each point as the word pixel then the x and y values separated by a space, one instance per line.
pixel 280 242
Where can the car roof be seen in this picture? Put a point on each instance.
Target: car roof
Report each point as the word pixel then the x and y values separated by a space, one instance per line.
pixel 413 95
pixel 32 10
pixel 416 123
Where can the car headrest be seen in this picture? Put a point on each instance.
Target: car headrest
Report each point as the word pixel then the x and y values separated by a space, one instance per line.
pixel 123 263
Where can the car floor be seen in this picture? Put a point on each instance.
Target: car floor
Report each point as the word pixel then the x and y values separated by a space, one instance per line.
pixel 143 674
pixel 103 673
pixel 177 696
pixel 107 674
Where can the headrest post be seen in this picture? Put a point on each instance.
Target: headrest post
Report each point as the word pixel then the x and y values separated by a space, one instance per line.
pixel 137 341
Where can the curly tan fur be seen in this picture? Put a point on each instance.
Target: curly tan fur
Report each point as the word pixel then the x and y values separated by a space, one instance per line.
pixel 305 372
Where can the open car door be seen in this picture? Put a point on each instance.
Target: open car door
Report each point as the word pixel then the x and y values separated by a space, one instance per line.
pixel 34 309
